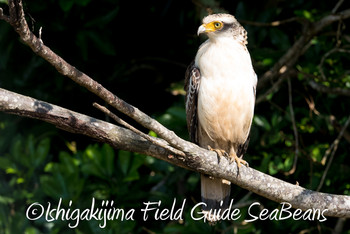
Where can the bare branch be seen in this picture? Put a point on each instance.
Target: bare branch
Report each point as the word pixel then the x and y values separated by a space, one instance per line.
pixel 74 122
pixel 200 160
pixel 295 130
pixel 324 89
pixel 339 226
pixel 326 55
pixel 274 88
pixel 197 159
pixel 291 56
pixel 335 9
pixel 155 141
pixel 273 23
pixel 21 27
pixel 339 128
pixel 333 148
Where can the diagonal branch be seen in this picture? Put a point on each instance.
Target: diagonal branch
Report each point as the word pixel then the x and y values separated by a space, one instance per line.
pixel 202 161
pixel 333 148
pixel 20 25
pixel 153 140
pixel 295 130
pixel 289 59
pixel 196 159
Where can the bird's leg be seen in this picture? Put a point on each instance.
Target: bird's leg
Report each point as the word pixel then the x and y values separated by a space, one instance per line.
pixel 219 152
pixel 233 157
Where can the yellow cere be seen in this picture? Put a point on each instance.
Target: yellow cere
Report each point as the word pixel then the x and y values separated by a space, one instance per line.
pixel 213 26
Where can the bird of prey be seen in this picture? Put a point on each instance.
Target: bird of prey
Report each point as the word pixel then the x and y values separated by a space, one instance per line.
pixel 220 96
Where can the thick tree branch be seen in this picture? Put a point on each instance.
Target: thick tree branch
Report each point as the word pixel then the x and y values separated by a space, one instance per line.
pixel 202 161
pixel 138 132
pixel 71 121
pixel 196 159
pixel 20 25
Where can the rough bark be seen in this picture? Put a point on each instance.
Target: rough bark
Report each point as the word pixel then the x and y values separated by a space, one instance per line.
pixel 196 158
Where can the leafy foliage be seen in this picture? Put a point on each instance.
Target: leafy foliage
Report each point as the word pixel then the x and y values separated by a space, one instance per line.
pixel 140 52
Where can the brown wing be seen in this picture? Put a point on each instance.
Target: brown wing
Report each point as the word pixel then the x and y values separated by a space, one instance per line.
pixel 192 82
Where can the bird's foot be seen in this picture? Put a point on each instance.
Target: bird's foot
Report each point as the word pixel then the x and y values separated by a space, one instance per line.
pixel 238 160
pixel 233 157
pixel 220 152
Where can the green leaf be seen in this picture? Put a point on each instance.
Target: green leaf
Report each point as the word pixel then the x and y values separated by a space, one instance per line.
pixel 107 160
pixel 133 173
pixel 6 200
pixel 124 160
pixel 264 166
pixel 262 122
pixel 70 164
pixel 41 152
pixel 288 163
pixel 11 170
pixel 5 163
pixel 93 162
pixel 268 61
pixel 151 133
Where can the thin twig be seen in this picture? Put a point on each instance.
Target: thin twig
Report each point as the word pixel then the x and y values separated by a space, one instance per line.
pixel 158 142
pixel 339 226
pixel 333 147
pixel 244 201
pixel 322 88
pixel 273 23
pixel 326 55
pixel 20 25
pixel 337 6
pixel 338 127
pixel 298 48
pixel 274 88
pixel 312 106
pixel 4 17
pixel 198 159
pixel 295 130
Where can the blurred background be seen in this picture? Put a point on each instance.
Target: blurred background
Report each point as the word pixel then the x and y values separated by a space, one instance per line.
pixel 140 50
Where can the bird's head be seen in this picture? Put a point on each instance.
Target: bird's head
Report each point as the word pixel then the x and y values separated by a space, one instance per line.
pixel 222 25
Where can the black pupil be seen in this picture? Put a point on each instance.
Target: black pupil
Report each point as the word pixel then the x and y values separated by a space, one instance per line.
pixel 217 25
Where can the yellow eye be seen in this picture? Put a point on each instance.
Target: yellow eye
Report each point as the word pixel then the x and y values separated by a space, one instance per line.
pixel 217 25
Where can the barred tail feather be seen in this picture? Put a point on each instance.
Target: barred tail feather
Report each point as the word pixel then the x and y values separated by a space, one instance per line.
pixel 215 194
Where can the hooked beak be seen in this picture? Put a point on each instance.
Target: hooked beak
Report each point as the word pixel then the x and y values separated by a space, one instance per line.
pixel 201 29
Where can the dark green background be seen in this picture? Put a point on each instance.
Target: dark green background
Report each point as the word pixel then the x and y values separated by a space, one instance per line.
pixel 139 50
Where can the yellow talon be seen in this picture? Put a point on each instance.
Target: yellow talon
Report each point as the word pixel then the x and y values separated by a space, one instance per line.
pixel 238 160
pixel 219 152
